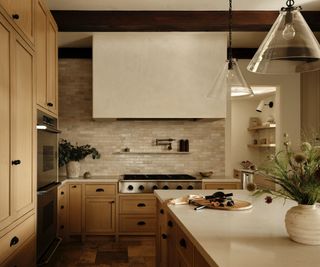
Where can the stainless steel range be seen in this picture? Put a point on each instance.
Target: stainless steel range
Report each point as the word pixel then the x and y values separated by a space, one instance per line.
pixel 146 183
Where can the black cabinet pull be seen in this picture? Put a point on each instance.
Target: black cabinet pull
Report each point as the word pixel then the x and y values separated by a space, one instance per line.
pixel 74 186
pixel 170 223
pixel 141 223
pixel 15 16
pixel 16 162
pixel 164 236
pixel 14 241
pixel 140 205
pixel 99 190
pixel 161 211
pixel 183 243
pixel 62 226
pixel 62 207
pixel 62 193
pixel 49 104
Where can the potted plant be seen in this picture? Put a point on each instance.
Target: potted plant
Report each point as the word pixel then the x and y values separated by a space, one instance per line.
pixel 297 177
pixel 70 156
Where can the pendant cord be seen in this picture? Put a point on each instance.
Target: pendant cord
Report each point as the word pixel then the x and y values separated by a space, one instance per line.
pixel 230 36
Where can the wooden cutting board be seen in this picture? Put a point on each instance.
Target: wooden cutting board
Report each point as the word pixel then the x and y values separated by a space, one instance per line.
pixel 238 205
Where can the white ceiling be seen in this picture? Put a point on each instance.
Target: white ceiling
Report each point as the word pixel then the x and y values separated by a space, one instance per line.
pixel 176 4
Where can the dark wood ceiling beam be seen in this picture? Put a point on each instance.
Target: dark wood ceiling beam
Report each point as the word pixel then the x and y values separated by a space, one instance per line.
pixel 86 52
pixel 122 21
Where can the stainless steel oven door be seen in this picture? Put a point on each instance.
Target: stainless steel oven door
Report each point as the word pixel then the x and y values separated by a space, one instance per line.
pixel 47 157
pixel 46 218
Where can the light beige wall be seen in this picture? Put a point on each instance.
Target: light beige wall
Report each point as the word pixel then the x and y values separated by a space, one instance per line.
pixel 287 99
pixel 207 141
pixel 241 111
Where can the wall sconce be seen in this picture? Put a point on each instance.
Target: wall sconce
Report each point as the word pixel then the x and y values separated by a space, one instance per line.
pixel 262 104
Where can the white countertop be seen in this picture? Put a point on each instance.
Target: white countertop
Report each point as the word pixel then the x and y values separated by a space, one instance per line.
pixel 253 238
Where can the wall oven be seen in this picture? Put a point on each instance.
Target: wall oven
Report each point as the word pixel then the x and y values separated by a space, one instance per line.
pixel 47 183
pixel 47 150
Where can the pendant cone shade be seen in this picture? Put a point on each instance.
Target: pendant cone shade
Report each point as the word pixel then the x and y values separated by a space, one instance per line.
pixel 290 46
pixel 231 79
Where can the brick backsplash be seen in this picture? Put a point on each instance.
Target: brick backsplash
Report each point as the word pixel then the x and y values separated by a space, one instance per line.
pixel 206 138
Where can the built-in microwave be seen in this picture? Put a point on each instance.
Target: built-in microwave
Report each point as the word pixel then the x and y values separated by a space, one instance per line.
pixel 47 150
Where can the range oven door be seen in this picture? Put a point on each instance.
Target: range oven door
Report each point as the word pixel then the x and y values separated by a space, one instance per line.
pixel 47 157
pixel 46 218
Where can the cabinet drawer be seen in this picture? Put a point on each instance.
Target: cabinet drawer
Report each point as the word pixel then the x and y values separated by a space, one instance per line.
pixel 100 189
pixel 25 256
pixel 184 246
pixel 137 205
pixel 222 186
pixel 137 224
pixel 13 240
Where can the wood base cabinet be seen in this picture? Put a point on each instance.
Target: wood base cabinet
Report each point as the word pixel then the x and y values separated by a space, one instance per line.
pixel 86 209
pixel 174 247
pixel 137 214
pixel 221 185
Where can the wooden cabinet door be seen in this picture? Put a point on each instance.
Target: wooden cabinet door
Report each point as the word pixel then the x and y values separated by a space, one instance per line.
pixel 75 209
pixel 22 184
pixel 22 13
pixel 41 52
pixel 100 215
pixel 25 256
pixel 52 71
pixel 5 67
pixel 6 5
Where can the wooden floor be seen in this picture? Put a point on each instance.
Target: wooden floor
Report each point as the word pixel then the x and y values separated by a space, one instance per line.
pixel 104 252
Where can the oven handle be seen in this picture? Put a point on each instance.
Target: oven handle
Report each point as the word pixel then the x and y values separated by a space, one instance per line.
pixel 47 128
pixel 52 187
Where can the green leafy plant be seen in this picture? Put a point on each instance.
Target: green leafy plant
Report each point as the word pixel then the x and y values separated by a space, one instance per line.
pixel 297 174
pixel 69 152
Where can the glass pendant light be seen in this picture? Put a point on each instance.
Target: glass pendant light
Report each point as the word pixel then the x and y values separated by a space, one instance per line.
pixel 289 47
pixel 230 76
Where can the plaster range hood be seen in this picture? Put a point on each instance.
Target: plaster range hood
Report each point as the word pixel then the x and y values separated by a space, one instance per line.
pixel 157 75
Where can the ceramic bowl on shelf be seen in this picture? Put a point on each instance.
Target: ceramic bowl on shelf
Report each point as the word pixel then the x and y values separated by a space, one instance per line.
pixel 206 174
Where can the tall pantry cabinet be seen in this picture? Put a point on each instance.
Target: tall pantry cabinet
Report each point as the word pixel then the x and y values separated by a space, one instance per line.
pixel 27 47
pixel 17 143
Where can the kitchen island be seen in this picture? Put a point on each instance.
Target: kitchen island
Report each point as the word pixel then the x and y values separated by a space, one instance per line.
pixel 256 237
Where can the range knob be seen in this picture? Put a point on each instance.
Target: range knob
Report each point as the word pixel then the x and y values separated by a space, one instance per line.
pixel 179 187
pixel 130 187
pixel 165 187
pixel 155 187
pixel 190 187
pixel 141 187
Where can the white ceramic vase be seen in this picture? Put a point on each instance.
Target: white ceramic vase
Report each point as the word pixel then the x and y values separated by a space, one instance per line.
pixel 303 224
pixel 73 169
